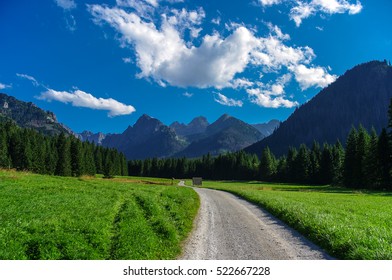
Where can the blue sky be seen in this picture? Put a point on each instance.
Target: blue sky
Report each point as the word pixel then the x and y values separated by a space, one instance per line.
pixel 100 65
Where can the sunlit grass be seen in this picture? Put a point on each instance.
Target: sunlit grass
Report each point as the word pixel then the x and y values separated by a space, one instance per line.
pixel 48 217
pixel 348 224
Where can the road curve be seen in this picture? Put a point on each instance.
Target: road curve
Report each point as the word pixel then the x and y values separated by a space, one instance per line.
pixel 228 227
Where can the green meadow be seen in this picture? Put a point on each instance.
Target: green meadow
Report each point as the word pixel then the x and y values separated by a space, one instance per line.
pixel 348 224
pixel 50 217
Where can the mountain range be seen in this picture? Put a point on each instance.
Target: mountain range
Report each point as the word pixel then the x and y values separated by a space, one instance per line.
pixel 359 97
pixel 148 137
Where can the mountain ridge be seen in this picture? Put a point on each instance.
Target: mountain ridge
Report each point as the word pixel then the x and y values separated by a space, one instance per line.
pixel 28 115
pixel 360 96
pixel 148 137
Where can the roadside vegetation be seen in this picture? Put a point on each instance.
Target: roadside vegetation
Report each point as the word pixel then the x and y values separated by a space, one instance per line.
pixel 52 217
pixel 349 224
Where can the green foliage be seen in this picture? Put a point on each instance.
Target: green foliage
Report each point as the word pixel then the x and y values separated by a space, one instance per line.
pixel 268 167
pixel 26 149
pixel 64 156
pixel 366 163
pixel 348 224
pixel 47 217
pixel 384 158
pixel 238 166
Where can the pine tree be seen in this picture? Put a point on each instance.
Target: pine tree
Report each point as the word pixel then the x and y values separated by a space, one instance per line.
pixel 384 159
pixel 291 164
pixel 281 173
pixel 5 161
pixel 314 163
pixel 38 153
pixel 64 156
pixel 363 147
pixel 124 165
pixel 267 165
pixel 302 164
pixel 76 157
pixel 16 149
pixel 88 159
pixel 98 159
pixel 372 165
pixel 350 176
pixel 337 163
pixel 51 156
pixel 326 165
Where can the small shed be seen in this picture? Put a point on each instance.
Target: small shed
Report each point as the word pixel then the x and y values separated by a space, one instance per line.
pixel 197 181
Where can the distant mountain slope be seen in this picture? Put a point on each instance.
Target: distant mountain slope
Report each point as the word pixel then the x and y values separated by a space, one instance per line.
pixel 360 96
pixel 146 139
pixel 28 115
pixel 267 128
pixel 96 138
pixel 196 126
pixel 226 134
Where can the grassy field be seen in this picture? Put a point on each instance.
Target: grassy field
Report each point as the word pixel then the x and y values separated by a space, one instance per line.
pixel 47 217
pixel 348 224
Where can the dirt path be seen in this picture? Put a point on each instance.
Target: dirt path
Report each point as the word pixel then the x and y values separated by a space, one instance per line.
pixel 228 227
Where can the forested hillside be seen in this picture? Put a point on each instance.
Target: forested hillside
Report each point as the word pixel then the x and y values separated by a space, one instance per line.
pixel 26 149
pixel 366 162
pixel 359 97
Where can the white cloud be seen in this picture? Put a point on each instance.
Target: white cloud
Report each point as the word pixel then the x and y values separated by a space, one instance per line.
pixel 270 2
pixel 224 100
pixel 313 76
pixel 187 94
pixel 127 60
pixel 216 20
pixel 264 99
pixel 303 10
pixel 241 83
pixel 272 95
pixel 66 4
pixel 4 86
pixel 80 98
pixel 165 55
pixel 30 78
pixel 182 20
pixel 143 8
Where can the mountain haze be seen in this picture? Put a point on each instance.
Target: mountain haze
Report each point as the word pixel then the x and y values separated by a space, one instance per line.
pixel 226 134
pixel 147 138
pixel 91 137
pixel 196 126
pixel 267 128
pixel 360 96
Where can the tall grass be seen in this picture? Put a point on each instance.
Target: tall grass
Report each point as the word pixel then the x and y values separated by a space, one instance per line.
pixel 47 217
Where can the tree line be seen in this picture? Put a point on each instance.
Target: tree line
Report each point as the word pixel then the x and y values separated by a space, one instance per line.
pixel 365 162
pixel 26 149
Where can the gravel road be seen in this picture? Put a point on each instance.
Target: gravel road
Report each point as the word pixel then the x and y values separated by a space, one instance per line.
pixel 228 227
